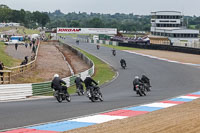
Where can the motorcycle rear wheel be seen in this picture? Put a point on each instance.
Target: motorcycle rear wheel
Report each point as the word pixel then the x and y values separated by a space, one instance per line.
pixel 59 98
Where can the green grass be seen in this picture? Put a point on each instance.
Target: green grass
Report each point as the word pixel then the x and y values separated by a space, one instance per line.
pixel 23 30
pixel 6 59
pixel 103 72
pixel 120 47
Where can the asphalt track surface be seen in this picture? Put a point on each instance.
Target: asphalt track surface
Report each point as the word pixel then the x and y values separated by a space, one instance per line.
pixel 168 80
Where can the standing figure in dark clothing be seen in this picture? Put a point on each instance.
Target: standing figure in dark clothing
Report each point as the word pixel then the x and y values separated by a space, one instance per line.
pixel 34 49
pixel 16 45
pixel 1 73
pixel 30 44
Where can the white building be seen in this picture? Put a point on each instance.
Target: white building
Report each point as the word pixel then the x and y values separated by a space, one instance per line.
pixel 170 24
pixel 9 24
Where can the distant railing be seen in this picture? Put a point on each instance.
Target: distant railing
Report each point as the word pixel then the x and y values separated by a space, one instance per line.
pixel 14 71
pixel 5 77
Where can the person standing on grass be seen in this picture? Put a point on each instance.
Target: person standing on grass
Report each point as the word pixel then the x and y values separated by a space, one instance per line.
pixel 1 73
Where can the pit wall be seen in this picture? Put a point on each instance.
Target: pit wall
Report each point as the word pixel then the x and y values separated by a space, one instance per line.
pixel 114 43
pixel 20 91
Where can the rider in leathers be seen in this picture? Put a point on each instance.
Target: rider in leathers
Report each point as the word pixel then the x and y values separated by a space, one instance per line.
pixel 56 84
pixel 88 84
pixel 78 82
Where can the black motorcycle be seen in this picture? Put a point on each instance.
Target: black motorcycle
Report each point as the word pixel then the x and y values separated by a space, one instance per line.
pixel 96 94
pixel 140 90
pixel 80 90
pixel 98 47
pixel 77 42
pixel 123 65
pixel 114 52
pixel 60 96
pixel 147 87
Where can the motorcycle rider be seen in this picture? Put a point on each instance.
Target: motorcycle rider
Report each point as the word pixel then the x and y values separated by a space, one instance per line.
pixel 78 82
pixel 113 51
pixel 137 81
pixel 77 42
pixel 123 62
pixel 56 84
pixel 145 79
pixel 88 84
pixel 146 82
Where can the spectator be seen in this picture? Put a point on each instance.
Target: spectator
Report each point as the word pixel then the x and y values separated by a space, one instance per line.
pixel 16 45
pixel 34 49
pixel 26 59
pixel 26 45
pixel 1 73
pixel 30 44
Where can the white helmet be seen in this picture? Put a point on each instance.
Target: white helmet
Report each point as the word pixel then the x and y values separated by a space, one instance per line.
pixel 136 77
pixel 56 75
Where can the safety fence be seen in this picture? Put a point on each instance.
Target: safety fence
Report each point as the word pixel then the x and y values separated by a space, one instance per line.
pixel 19 91
pixel 114 43
pixel 9 72
pixel 191 49
pixel 15 91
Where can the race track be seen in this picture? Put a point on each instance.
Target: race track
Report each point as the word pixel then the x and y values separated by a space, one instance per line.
pixel 168 80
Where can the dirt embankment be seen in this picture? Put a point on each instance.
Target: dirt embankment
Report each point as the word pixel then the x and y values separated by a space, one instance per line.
pixel 77 64
pixel 51 61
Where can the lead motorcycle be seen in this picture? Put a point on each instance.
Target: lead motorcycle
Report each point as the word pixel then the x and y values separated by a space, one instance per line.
pixel 96 94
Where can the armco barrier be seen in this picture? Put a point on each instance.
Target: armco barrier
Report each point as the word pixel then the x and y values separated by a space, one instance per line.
pixel 20 91
pixel 41 88
pixel 15 91
pixel 163 47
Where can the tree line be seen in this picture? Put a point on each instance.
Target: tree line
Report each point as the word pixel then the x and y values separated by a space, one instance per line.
pixel 121 21
pixel 25 18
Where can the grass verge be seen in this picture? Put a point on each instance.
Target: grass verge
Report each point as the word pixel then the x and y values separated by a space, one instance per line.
pixel 6 59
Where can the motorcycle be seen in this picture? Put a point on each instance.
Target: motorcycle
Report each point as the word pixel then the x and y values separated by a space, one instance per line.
pixel 60 96
pixel 77 42
pixel 123 65
pixel 98 46
pixel 114 52
pixel 80 90
pixel 95 94
pixel 147 87
pixel 140 90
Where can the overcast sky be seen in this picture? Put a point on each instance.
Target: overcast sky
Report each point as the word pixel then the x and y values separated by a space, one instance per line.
pixel 139 7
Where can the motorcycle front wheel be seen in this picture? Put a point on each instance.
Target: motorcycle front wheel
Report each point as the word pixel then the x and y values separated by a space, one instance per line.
pixel 68 98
